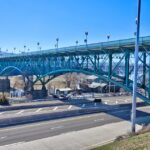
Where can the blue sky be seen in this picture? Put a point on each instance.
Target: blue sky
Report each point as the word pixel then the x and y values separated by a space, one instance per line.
pixel 26 22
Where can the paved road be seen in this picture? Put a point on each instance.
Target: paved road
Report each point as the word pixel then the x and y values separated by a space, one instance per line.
pixel 58 106
pixel 35 131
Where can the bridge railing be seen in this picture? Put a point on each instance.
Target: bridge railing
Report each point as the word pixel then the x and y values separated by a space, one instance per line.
pixel 94 46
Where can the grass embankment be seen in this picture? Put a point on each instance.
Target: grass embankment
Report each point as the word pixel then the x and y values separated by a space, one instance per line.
pixel 140 141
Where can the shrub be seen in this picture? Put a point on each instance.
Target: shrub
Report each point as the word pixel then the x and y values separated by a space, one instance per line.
pixel 3 100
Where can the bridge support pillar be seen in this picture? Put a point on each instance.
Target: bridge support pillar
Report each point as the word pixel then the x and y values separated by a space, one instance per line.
pixel 110 70
pixel 127 63
pixel 29 86
pixel 110 66
pixel 44 91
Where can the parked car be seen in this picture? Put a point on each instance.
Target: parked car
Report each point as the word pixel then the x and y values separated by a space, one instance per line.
pixel 99 100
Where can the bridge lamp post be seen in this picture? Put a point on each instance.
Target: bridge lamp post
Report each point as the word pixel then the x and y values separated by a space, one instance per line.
pixel 77 42
pixel 14 49
pixel 57 41
pixel 25 48
pixel 133 114
pixel 86 35
pixel 108 37
pixel 28 50
pixel 38 45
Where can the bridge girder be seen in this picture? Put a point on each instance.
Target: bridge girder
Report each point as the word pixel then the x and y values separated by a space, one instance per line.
pixel 110 65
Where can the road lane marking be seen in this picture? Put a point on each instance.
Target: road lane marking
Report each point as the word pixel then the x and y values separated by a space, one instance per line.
pixel 97 120
pixel 20 112
pixel 58 127
pixel 1 113
pixel 38 110
pixel 15 143
pixel 106 103
pixel 70 107
pixel 4 137
pixel 55 108
pixel 116 102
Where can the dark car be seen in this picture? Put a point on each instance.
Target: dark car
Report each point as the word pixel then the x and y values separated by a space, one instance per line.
pixel 99 100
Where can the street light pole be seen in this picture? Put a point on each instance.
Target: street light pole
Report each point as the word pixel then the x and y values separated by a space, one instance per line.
pixel 86 37
pixel 133 113
pixel 57 40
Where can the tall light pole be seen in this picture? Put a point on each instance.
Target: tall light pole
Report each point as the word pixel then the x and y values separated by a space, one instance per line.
pixel 86 37
pixel 108 37
pixel 133 113
pixel 14 49
pixel 38 45
pixel 25 48
pixel 57 40
pixel 77 42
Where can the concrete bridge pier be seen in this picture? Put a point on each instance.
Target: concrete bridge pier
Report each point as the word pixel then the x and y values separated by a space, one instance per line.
pixel 29 86
pixel 38 93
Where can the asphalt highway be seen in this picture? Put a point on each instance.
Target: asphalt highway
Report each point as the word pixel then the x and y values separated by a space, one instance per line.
pixel 30 132
pixel 58 106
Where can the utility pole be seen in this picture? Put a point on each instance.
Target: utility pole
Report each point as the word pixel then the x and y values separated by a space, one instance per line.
pixel 133 113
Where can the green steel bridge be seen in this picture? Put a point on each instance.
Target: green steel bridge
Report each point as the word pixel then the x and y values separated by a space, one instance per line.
pixel 111 61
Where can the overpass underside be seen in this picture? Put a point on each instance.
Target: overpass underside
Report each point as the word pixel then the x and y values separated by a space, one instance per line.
pixel 111 61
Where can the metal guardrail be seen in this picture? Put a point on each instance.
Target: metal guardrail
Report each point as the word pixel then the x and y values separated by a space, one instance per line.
pixel 100 46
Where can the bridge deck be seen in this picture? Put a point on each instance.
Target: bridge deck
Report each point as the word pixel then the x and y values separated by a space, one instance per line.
pixel 103 47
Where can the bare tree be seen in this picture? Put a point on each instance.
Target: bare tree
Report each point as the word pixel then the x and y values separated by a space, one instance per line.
pixel 72 79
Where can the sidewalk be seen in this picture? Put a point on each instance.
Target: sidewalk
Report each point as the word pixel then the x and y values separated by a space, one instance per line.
pixel 80 140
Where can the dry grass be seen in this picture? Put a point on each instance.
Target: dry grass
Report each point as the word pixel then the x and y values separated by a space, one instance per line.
pixel 138 141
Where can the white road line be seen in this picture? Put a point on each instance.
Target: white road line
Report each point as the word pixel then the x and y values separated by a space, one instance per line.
pixel 4 137
pixel 20 112
pixel 55 108
pixel 97 120
pixel 38 110
pixel 1 113
pixel 116 102
pixel 55 128
pixel 105 103
pixel 15 143
pixel 83 105
pixel 70 107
